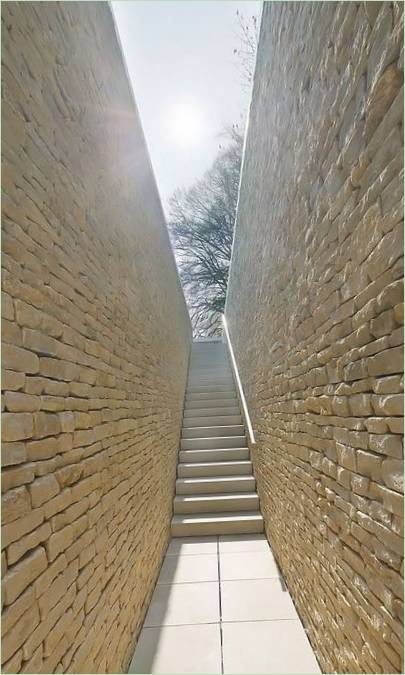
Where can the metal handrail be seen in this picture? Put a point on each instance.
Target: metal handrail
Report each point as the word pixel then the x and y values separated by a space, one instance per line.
pixel 238 383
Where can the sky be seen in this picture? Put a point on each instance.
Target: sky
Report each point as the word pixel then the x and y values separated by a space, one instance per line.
pixel 185 78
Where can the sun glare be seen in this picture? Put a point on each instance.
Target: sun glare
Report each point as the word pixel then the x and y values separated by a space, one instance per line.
pixel 185 123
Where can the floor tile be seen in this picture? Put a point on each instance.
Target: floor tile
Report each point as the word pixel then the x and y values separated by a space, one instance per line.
pixel 178 649
pixel 262 633
pixel 184 604
pixel 269 647
pixel 256 600
pixel 231 543
pixel 248 565
pixel 189 568
pixel 192 545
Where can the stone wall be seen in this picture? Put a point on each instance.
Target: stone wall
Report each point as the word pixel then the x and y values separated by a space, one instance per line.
pixel 96 341
pixel 315 314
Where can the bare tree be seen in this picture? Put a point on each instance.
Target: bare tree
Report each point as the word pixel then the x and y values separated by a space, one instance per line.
pixel 202 218
pixel 247 32
pixel 201 226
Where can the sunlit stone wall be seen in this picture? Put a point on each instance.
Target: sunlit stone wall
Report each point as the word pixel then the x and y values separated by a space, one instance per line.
pixel 315 314
pixel 96 340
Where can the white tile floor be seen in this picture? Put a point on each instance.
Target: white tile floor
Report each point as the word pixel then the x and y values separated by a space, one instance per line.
pixel 220 606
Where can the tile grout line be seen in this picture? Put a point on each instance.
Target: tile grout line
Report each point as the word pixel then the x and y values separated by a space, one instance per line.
pixel 213 581
pixel 214 623
pixel 188 555
pixel 220 609
pixel 184 583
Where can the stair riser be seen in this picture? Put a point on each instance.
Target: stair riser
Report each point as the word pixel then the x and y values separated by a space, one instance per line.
pixel 210 386
pixel 210 381
pixel 210 373
pixel 204 382
pixel 207 431
pixel 216 505
pixel 213 455
pixel 199 529
pixel 211 408
pixel 209 395
pixel 209 412
pixel 209 370
pixel 213 403
pixel 223 420
pixel 229 469
pixel 197 487
pixel 214 442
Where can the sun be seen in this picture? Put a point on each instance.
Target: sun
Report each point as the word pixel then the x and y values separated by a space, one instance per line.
pixel 185 123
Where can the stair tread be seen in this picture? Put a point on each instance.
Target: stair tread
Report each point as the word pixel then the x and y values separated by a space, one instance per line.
pixel 204 406
pixel 206 384
pixel 221 462
pixel 217 394
pixel 195 422
pixel 214 449
pixel 214 431
pixel 225 455
pixel 215 469
pixel 213 442
pixel 212 438
pixel 222 427
pixel 211 404
pixel 215 495
pixel 208 412
pixel 208 479
pixel 204 401
pixel 220 515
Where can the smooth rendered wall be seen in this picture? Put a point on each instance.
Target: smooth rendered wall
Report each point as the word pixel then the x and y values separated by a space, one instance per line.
pixel 315 315
pixel 96 342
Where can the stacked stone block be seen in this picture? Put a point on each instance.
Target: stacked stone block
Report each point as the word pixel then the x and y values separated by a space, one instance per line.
pixel 315 310
pixel 96 339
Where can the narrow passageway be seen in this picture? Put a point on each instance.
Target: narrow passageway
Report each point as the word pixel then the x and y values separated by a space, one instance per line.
pixel 221 606
pixel 149 482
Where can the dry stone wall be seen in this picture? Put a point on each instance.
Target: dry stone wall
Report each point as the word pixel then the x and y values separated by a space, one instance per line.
pixel 96 339
pixel 315 314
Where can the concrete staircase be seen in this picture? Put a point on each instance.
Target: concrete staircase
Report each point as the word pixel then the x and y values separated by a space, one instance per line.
pixel 215 487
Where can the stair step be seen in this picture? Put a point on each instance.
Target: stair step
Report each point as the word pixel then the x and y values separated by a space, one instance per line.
pixel 208 412
pixel 218 502
pixel 225 454
pixel 194 486
pixel 217 523
pixel 210 376
pixel 214 442
pixel 209 373
pixel 209 386
pixel 206 431
pixel 219 420
pixel 211 403
pixel 210 381
pixel 227 383
pixel 195 469
pixel 207 395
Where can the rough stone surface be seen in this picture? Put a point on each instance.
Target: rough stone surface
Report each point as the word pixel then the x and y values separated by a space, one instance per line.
pixel 314 310
pixel 96 347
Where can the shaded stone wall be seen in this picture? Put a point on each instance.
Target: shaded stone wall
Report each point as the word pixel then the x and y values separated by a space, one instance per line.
pixel 96 341
pixel 315 314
